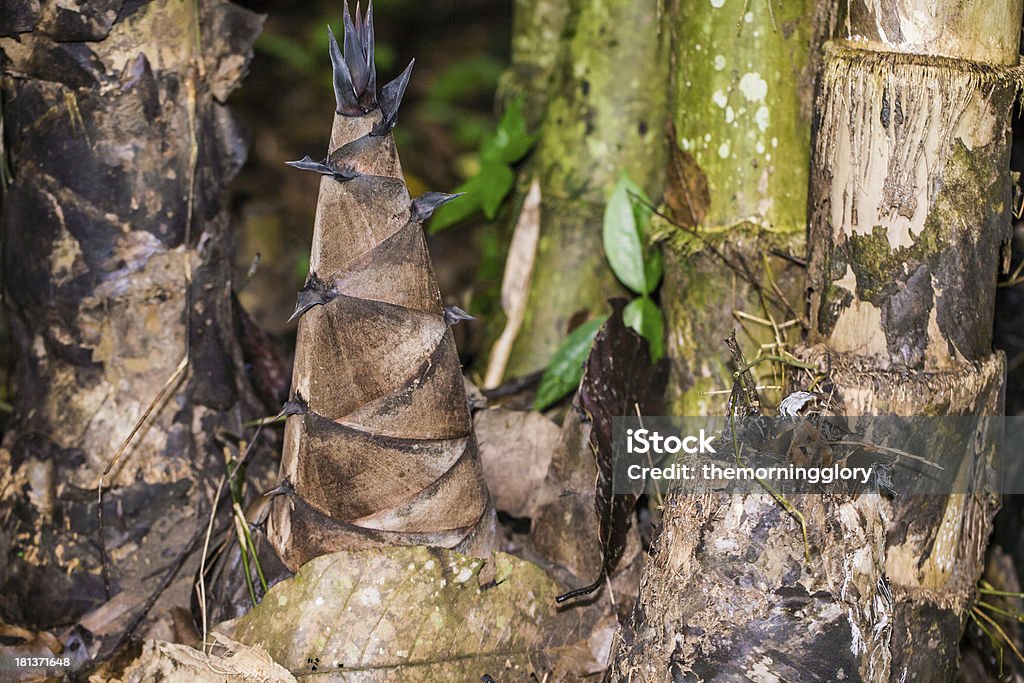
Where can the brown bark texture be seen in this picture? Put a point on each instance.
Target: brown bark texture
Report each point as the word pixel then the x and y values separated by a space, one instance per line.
pixel 379 450
pixel 116 261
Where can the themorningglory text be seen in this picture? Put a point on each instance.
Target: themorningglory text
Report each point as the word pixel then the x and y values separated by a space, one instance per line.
pixel 646 442
pixel 712 471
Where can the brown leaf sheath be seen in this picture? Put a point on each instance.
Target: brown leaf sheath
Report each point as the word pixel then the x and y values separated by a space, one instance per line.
pixel 385 454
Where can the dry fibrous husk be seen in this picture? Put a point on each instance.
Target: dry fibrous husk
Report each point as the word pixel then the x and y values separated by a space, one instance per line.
pixel 379 450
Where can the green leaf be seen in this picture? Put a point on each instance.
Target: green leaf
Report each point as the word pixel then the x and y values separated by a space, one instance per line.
pixel 566 368
pixel 625 219
pixel 493 183
pixel 510 141
pixel 644 317
pixel 486 190
pixel 458 210
pixel 294 53
pixel 483 192
pixel 466 79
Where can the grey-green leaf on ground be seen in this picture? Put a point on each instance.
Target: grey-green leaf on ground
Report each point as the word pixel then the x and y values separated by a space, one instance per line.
pixel 425 614
pixel 625 219
pixel 644 317
pixel 566 368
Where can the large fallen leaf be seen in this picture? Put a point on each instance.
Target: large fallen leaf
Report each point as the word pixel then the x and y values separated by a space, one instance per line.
pixel 425 614
pixel 619 380
pixel 581 526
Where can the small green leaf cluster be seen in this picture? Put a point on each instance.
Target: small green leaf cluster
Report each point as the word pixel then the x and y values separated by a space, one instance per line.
pixel 638 267
pixel 565 370
pixel 487 189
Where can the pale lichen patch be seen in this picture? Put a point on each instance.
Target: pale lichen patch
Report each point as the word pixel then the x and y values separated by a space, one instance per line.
pixel 753 87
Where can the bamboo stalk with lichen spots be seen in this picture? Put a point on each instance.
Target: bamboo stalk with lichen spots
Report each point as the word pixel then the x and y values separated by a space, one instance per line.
pixel 737 188
pixel 605 115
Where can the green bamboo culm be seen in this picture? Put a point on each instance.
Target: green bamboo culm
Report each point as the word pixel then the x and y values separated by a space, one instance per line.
pixel 737 186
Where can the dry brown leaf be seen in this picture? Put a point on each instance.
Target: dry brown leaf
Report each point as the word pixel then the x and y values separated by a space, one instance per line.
pixel 686 187
pixel 515 284
pixel 174 663
pixel 566 526
pixel 515 451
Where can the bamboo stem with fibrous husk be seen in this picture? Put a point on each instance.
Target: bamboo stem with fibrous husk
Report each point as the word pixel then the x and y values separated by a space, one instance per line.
pixel 379 448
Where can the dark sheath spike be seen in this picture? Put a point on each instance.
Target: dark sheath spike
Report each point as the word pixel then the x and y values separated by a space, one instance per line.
pixel 453 315
pixel 357 65
pixel 369 97
pixel 285 488
pixel 341 173
pixel 294 406
pixel 390 100
pixel 424 206
pixel 314 293
pixel 344 91
pixel 307 164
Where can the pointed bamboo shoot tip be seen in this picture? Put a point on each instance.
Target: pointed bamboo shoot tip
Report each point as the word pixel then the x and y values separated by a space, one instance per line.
pixel 391 100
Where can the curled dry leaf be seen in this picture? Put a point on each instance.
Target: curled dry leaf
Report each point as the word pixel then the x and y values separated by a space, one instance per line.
pixel 686 187
pixel 404 614
pixel 384 454
pixel 174 663
pixel 618 380
pixel 515 283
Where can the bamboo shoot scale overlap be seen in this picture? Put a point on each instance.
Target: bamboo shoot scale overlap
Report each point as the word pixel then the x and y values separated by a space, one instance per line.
pixel 382 450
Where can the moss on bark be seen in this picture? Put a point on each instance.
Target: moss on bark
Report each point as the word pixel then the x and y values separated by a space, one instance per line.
pixel 606 113
pixel 742 78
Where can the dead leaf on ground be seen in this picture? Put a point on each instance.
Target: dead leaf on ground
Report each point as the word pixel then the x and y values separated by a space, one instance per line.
pixel 619 380
pixel 515 451
pixel 174 663
pixel 565 527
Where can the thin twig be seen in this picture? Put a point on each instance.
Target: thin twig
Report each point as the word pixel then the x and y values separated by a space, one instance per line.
pixel 714 251
pixel 1000 631
pixel 759 387
pixel 1016 616
pixel 201 586
pixel 743 375
pixel 1015 278
pixel 894 451
pixel 992 591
